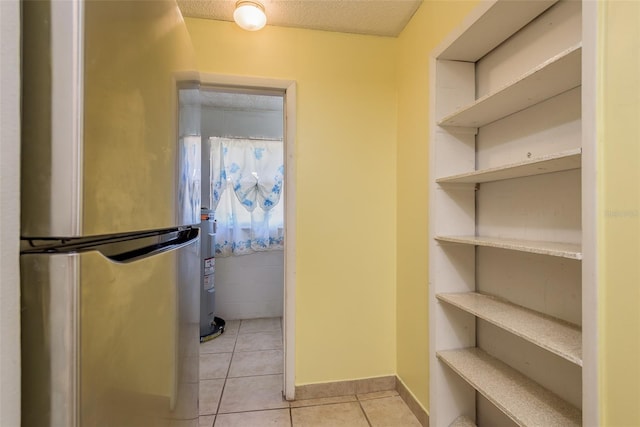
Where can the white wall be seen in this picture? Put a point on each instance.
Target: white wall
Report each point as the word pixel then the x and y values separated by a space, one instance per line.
pixel 247 286
pixel 242 123
pixel 250 286
pixel 9 213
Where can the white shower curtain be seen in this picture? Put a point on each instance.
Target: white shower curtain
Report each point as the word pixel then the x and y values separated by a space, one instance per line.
pixel 247 178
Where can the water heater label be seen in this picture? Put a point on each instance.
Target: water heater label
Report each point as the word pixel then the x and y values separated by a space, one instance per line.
pixel 209 265
pixel 208 282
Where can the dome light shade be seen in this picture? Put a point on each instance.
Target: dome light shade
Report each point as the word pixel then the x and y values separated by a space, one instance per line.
pixel 249 15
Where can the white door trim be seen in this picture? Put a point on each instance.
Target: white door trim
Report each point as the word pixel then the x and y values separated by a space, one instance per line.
pixel 288 87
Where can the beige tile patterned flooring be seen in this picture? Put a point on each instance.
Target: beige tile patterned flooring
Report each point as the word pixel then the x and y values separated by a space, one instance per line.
pixel 241 386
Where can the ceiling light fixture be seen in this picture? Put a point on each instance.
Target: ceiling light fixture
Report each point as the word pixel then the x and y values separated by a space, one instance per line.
pixel 250 15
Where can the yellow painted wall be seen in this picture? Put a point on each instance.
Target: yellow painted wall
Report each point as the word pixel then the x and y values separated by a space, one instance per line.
pixel 362 147
pixel 346 186
pixel 618 209
pixel 431 23
pixel 619 212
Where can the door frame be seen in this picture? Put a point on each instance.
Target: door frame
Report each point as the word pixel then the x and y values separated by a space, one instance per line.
pixel 288 90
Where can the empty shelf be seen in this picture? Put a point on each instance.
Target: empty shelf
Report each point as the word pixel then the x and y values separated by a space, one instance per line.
pixel 521 399
pixel 557 162
pixel 555 335
pixel 563 250
pixel 491 29
pixel 462 421
pixel 553 77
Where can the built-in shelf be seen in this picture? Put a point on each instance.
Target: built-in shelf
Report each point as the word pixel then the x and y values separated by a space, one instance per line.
pixel 488 354
pixel 553 77
pixel 559 337
pixel 557 162
pixel 491 29
pixel 557 249
pixel 521 399
pixel 462 421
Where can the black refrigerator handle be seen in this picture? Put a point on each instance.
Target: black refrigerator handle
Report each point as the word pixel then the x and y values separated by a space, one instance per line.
pixel 134 251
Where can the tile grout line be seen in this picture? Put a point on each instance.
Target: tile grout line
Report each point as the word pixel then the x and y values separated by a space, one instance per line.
pixel 224 385
pixel 251 351
pixel 254 351
pixel 256 375
pixel 366 417
pixel 253 410
pixel 357 397
pixel 226 378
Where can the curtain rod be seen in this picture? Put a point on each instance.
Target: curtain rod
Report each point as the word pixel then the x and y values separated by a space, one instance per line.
pixel 249 138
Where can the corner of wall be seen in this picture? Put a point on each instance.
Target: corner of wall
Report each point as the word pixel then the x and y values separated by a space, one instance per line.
pixel 428 26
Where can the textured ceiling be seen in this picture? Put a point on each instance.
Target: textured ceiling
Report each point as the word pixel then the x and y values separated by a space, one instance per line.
pixel 374 17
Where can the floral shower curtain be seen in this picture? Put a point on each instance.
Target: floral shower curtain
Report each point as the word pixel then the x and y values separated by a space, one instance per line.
pixel 247 179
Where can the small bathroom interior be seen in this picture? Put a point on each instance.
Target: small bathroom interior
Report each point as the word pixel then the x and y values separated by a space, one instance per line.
pixel 247 285
pixel 248 278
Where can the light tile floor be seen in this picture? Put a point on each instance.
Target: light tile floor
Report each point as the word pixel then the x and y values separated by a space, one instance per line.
pixel 241 386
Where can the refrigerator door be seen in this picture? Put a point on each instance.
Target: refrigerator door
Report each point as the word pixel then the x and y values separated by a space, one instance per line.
pixel 101 152
pixel 111 339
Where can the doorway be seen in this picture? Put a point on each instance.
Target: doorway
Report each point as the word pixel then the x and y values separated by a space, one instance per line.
pixel 258 109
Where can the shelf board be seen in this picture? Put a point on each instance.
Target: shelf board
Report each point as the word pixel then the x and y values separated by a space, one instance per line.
pixel 521 399
pixel 490 29
pixel 462 421
pixel 557 336
pixel 553 77
pixel 563 161
pixel 557 249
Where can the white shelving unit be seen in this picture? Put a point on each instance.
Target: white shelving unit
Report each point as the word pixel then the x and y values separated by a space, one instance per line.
pixel 556 162
pixel 558 249
pixel 521 399
pixel 557 336
pixel 506 197
pixel 555 76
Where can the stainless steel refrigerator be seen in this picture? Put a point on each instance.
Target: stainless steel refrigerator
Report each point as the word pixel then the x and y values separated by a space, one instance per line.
pixel 110 193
